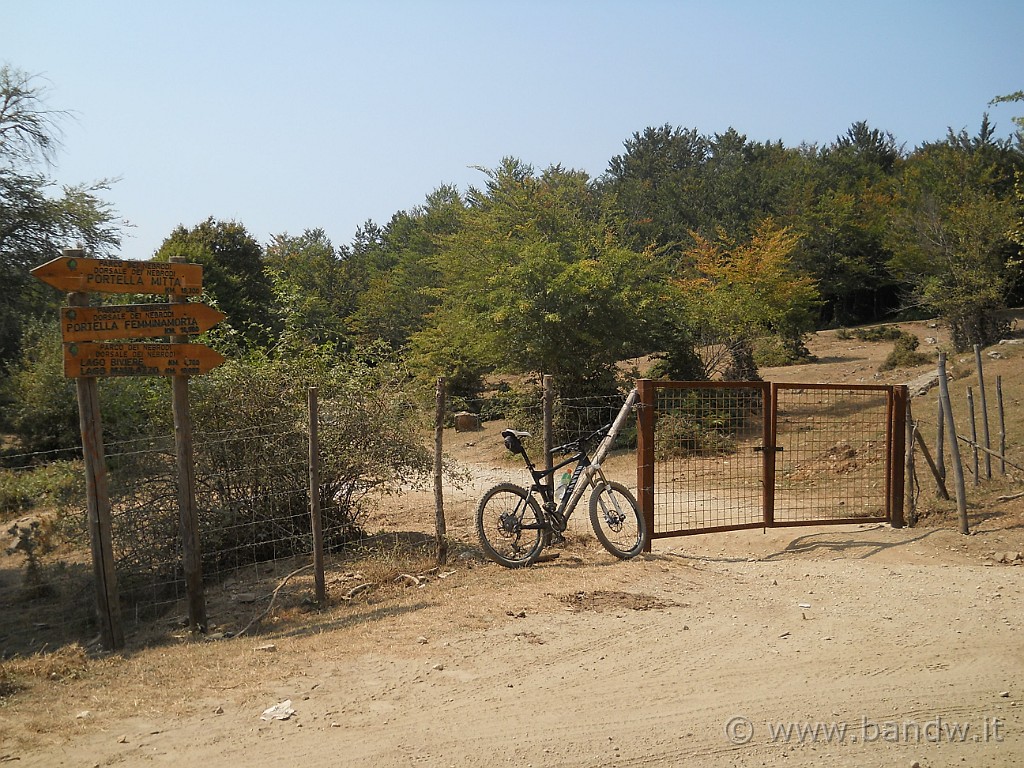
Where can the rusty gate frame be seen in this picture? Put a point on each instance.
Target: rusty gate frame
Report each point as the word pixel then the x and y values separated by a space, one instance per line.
pixel 897 399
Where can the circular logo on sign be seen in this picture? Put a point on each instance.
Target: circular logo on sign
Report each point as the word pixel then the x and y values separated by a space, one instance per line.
pixel 73 349
pixel 71 314
pixel 72 264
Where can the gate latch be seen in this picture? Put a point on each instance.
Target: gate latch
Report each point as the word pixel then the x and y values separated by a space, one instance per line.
pixel 768 448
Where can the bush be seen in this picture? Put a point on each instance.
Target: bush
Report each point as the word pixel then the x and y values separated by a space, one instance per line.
pixel 904 354
pixel 250 420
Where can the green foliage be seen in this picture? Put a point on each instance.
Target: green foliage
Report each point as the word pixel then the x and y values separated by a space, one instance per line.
pixel 234 274
pixel 49 486
pixel 35 223
pixel 740 292
pixel 43 408
pixel 251 441
pixel 905 354
pixel 952 232
pixel 310 290
pixel 537 278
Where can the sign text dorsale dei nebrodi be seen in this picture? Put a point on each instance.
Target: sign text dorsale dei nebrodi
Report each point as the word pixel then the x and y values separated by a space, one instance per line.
pixel 73 273
pixel 136 321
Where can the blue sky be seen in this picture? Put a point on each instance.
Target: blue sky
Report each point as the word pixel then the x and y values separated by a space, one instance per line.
pixel 288 116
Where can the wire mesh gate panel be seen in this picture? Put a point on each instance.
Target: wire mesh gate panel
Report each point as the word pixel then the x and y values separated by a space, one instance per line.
pixel 718 456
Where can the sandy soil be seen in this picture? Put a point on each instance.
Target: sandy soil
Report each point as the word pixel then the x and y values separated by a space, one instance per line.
pixel 845 645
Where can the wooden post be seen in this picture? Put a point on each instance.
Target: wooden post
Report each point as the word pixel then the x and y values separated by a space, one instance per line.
pixel 974 431
pixel 1002 425
pixel 549 418
pixel 315 517
pixel 940 448
pixel 108 603
pixel 439 521
pixel 909 504
pixel 954 448
pixel 984 411
pixel 191 553
pixel 940 483
pixel 645 416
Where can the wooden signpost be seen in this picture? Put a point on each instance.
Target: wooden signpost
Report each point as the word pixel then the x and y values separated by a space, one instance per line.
pixel 89 358
pixel 74 272
pixel 88 354
pixel 142 321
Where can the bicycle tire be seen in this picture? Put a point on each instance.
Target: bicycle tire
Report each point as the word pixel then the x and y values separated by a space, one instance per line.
pixel 508 524
pixel 617 521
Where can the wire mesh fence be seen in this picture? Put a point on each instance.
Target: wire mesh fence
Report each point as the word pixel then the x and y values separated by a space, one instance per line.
pixel 833 465
pixel 253 500
pixel 727 456
pixel 707 471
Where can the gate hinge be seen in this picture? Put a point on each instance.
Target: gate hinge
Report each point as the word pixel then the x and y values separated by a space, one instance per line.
pixel 768 448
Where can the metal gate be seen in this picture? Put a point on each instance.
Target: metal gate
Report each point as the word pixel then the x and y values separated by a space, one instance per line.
pixel 721 456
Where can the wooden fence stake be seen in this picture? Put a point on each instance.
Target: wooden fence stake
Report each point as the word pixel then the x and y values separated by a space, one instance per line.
pixel 940 483
pixel 1002 425
pixel 315 515
pixel 974 431
pixel 954 448
pixel 940 448
pixel 108 604
pixel 439 521
pixel 191 553
pixel 984 411
pixel 549 429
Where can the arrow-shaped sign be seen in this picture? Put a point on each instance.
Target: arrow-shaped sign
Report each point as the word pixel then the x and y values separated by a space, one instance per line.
pixel 136 321
pixel 72 273
pixel 88 359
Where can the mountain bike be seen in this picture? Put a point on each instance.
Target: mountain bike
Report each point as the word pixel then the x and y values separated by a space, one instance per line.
pixel 513 526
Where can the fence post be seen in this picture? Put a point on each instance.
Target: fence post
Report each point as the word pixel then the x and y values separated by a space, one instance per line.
pixel 974 431
pixel 984 412
pixel 1002 425
pixel 900 402
pixel 108 603
pixel 191 551
pixel 439 521
pixel 909 504
pixel 940 446
pixel 315 516
pixel 954 448
pixel 549 419
pixel 646 415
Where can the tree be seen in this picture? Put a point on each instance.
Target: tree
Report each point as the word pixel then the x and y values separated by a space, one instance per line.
pixel 740 292
pixel 36 224
pixel 401 283
pixel 234 275
pixel 951 234
pixel 310 288
pixel 538 272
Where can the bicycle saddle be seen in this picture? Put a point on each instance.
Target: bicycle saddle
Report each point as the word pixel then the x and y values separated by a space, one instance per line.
pixel 514 433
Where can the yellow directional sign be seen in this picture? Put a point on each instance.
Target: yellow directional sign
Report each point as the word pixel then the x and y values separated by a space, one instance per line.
pixel 88 359
pixel 136 321
pixel 73 273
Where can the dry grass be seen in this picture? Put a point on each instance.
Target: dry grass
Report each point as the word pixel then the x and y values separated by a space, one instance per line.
pixel 166 673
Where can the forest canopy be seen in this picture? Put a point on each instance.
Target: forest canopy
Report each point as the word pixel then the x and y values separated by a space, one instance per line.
pixel 686 243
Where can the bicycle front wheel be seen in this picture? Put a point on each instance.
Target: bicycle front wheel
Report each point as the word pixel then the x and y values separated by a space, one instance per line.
pixel 508 523
pixel 617 520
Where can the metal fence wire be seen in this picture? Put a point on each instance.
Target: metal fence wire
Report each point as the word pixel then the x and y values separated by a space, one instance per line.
pixel 727 456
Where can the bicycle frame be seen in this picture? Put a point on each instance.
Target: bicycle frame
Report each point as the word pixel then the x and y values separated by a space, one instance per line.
pixel 562 511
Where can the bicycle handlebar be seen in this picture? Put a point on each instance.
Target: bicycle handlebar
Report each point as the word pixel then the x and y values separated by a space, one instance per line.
pixel 579 443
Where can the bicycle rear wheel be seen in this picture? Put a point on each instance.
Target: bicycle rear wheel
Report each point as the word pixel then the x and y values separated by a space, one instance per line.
pixel 617 521
pixel 508 523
